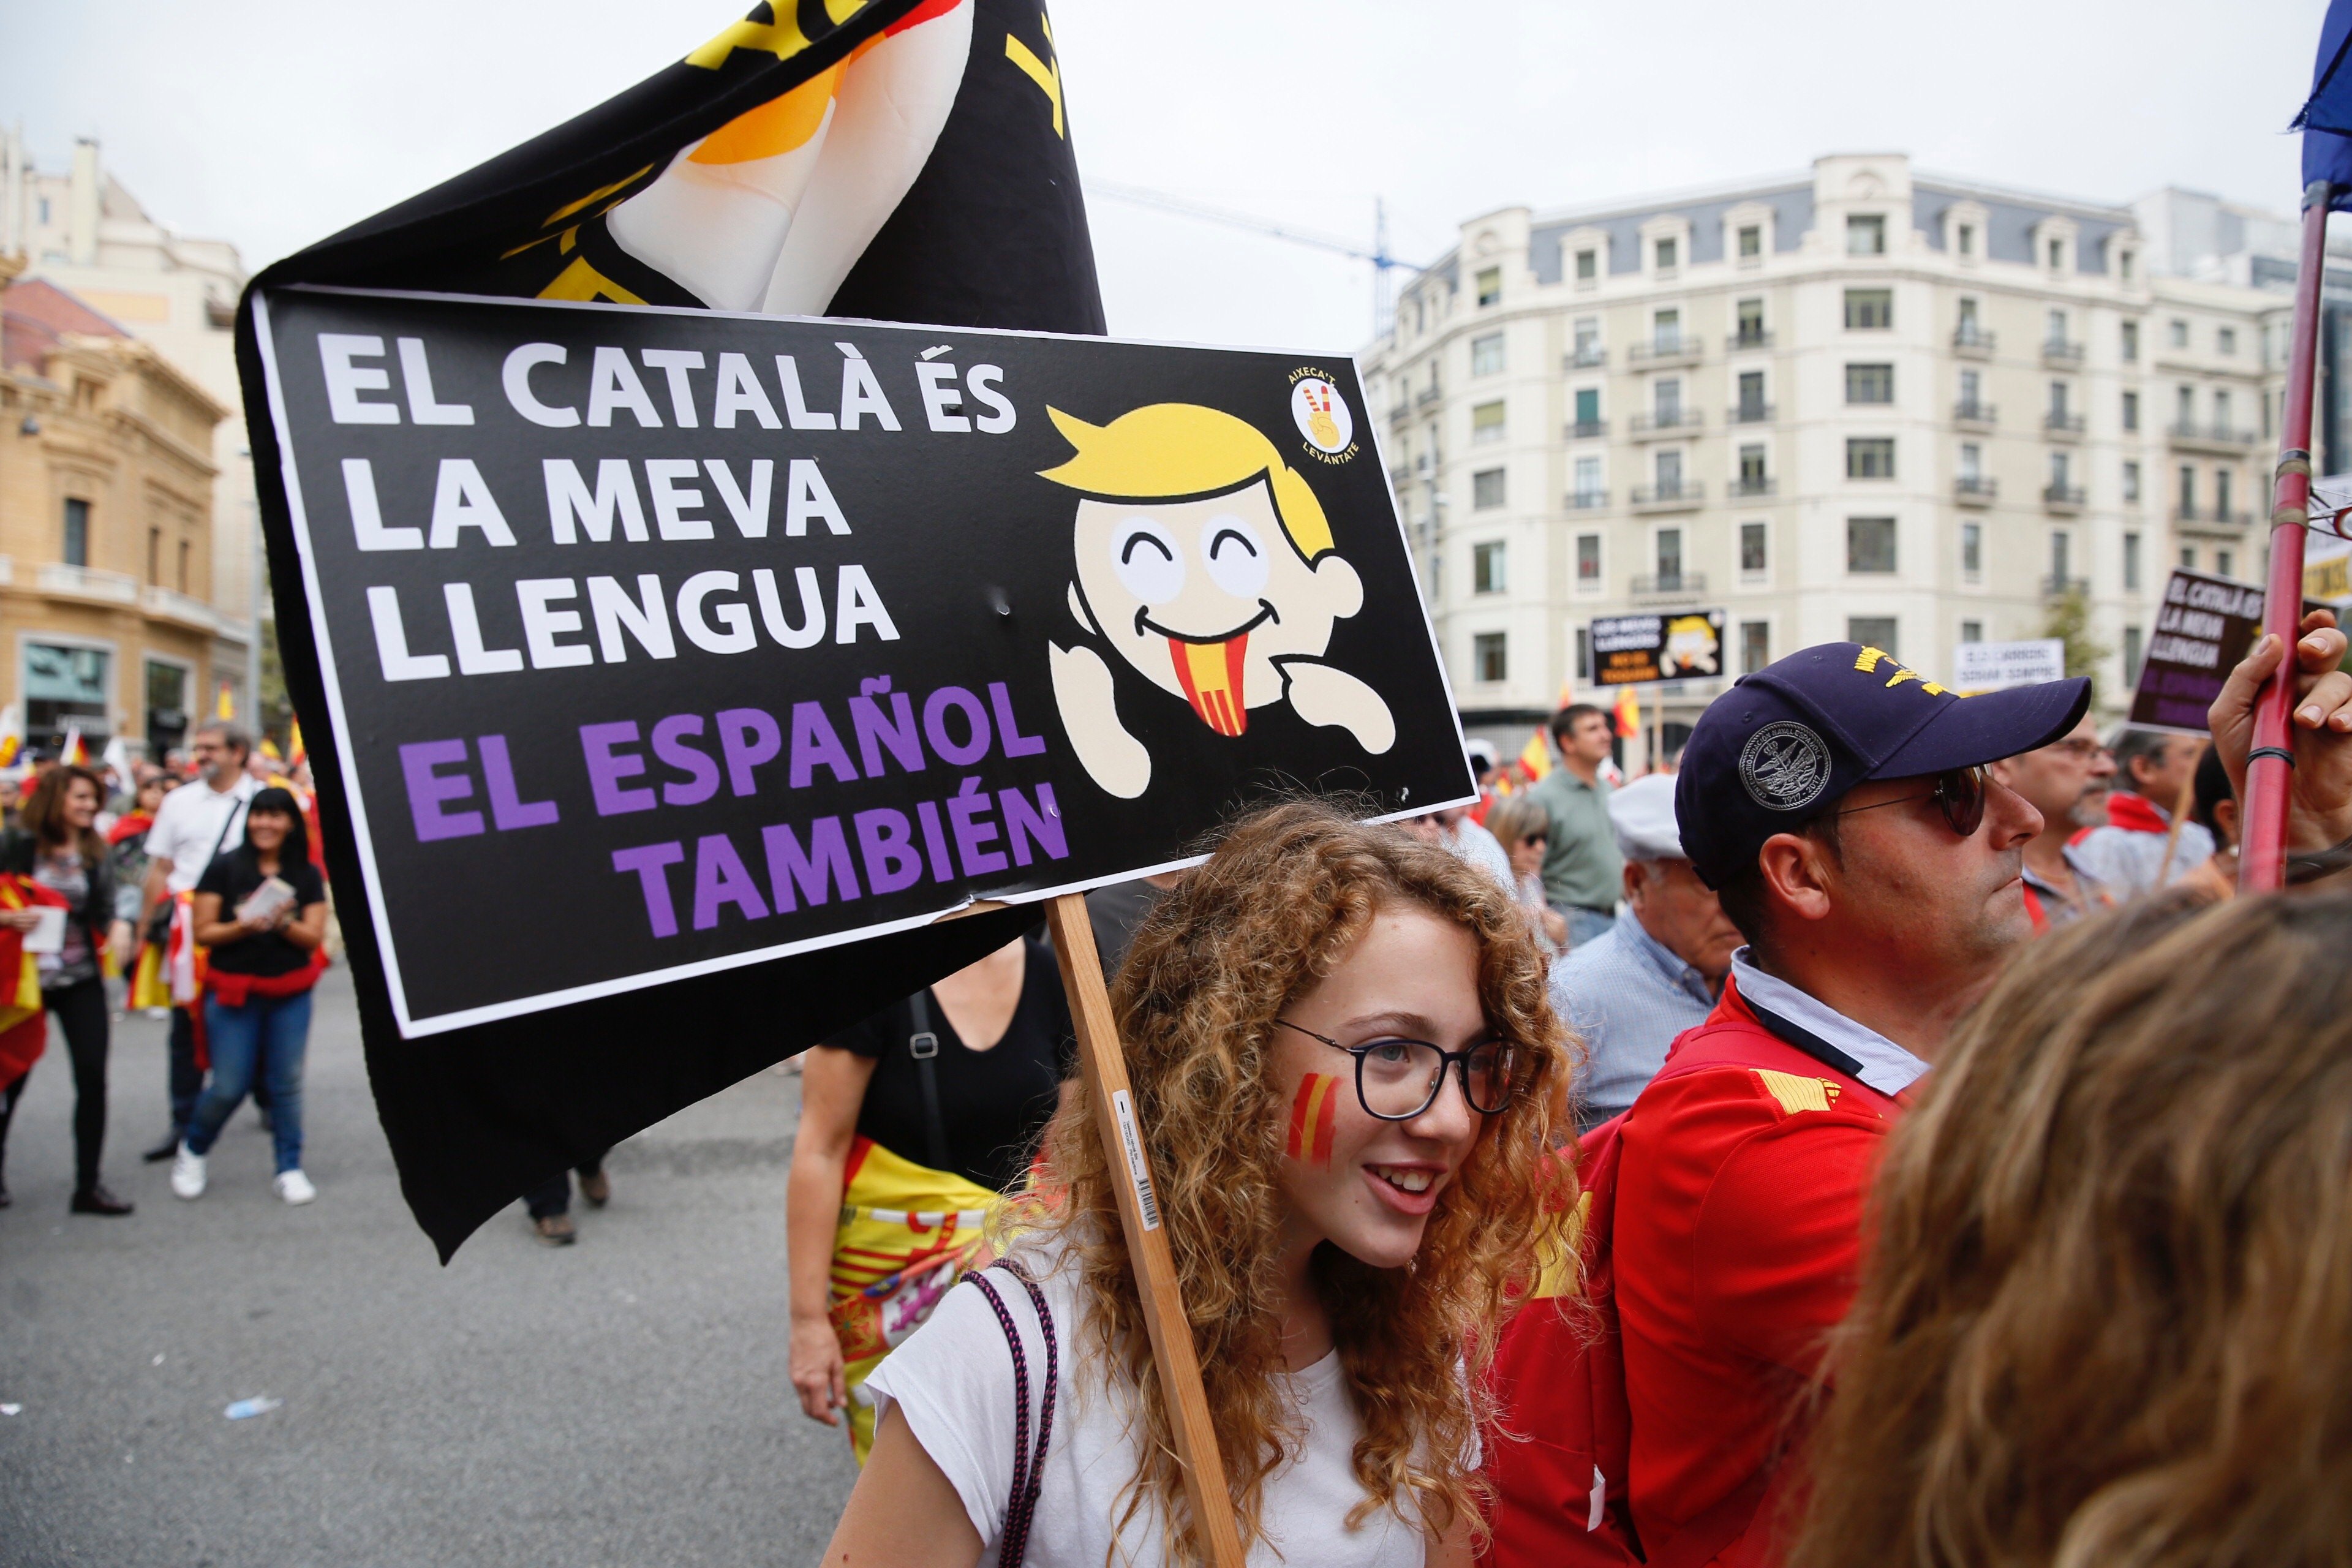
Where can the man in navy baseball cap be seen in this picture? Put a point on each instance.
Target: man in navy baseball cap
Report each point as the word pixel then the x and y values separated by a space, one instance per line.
pixel 1838 804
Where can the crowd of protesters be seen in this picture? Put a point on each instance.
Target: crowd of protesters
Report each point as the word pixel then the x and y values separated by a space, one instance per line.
pixel 190 887
pixel 1878 1139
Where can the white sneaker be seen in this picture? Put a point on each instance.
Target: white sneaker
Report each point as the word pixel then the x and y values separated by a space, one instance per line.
pixel 295 1187
pixel 187 1174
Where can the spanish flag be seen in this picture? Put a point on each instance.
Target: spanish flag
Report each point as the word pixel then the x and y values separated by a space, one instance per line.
pixel 1629 712
pixel 1535 757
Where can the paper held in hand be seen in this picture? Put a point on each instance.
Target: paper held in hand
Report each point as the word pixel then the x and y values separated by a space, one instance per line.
pixel 267 902
pixel 49 936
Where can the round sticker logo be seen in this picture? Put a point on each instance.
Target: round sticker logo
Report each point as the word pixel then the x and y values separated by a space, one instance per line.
pixel 1785 766
pixel 1322 415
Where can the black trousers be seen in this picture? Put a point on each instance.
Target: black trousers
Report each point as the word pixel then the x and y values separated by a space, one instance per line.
pixel 553 1196
pixel 81 1012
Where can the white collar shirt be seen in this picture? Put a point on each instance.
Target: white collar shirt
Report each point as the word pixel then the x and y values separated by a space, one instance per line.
pixel 1884 1066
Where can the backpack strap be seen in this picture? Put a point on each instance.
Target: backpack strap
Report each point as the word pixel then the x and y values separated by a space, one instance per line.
pixel 923 1045
pixel 1028 1463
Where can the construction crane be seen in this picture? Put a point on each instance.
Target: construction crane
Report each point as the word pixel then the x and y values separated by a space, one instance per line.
pixel 1383 263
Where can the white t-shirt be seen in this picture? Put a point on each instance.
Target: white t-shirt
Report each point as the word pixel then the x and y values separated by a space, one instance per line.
pixel 952 1381
pixel 189 823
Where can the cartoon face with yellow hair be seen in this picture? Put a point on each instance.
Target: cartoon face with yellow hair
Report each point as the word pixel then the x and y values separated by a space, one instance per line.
pixel 1206 563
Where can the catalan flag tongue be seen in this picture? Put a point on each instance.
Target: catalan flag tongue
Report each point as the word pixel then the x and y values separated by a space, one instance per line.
pixel 1211 673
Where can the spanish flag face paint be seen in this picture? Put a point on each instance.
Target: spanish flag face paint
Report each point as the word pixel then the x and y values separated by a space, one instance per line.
pixel 1314 1110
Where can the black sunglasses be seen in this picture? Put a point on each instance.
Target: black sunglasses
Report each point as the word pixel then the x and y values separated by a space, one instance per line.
pixel 1958 791
pixel 1398 1079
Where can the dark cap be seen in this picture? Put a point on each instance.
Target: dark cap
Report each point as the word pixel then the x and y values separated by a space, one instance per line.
pixel 1786 743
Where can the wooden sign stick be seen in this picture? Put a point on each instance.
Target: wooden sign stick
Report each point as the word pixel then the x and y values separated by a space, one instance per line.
pixel 1102 1067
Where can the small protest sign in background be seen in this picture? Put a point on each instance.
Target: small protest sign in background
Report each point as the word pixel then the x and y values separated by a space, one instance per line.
pixel 2205 627
pixel 1682 645
pixel 1990 666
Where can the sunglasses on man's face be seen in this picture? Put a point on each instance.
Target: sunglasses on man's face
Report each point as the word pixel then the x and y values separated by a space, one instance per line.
pixel 1958 792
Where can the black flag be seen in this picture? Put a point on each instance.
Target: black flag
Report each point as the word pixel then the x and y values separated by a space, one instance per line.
pixel 894 161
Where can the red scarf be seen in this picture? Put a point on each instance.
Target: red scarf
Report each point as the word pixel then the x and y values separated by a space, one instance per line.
pixel 2134 814
pixel 129 823
pixel 232 990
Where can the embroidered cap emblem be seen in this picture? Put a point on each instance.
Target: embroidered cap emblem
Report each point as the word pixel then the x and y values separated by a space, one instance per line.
pixel 1785 766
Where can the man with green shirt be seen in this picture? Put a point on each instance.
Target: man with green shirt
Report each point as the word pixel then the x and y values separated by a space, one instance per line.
pixel 1583 871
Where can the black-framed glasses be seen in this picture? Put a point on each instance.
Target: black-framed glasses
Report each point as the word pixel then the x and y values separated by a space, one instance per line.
pixel 1397 1080
pixel 1959 793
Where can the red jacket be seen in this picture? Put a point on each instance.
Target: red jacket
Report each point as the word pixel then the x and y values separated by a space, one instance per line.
pixel 1739 1230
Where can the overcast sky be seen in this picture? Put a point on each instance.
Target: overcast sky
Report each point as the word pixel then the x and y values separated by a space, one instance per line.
pixel 273 123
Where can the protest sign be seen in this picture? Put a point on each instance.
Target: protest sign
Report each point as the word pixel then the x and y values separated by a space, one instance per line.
pixel 700 639
pixel 1629 650
pixel 2205 627
pixel 1990 666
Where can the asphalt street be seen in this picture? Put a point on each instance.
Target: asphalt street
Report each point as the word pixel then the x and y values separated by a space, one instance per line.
pixel 617 1403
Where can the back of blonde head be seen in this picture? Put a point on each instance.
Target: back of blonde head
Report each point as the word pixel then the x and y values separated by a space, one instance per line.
pixel 1279 904
pixel 2106 1314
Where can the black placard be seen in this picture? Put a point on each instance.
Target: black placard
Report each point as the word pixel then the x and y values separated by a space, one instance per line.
pixel 1672 644
pixel 1079 600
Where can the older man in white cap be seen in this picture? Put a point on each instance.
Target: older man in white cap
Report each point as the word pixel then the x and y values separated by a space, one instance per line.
pixel 1629 993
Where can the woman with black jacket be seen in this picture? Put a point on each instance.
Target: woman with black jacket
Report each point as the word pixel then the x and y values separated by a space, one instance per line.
pixel 58 847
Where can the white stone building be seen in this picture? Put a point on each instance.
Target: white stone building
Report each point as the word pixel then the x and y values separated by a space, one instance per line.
pixel 82 231
pixel 1861 402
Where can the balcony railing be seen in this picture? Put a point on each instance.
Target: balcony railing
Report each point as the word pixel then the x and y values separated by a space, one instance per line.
pixel 1755 485
pixel 2056 587
pixel 1742 340
pixel 1587 500
pixel 1666 351
pixel 1667 498
pixel 1966 413
pixel 1585 356
pixel 1587 429
pixel 1400 472
pixel 1427 395
pixel 86 582
pixel 1400 411
pixel 183 607
pixel 1665 422
pixel 2189 433
pixel 2212 517
pixel 2063 497
pixel 1751 414
pixel 2059 350
pixel 2062 426
pixel 1973 341
pixel 1974 489
pixel 1667 584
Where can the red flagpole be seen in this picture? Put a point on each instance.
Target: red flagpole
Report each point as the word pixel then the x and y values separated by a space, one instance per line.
pixel 2270 772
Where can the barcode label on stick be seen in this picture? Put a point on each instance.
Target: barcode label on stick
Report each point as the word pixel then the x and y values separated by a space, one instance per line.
pixel 1138 1171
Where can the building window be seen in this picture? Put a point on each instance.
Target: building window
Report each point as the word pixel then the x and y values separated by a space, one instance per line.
pixel 2061 473
pixel 2223 413
pixel 66 686
pixel 1972 551
pixel 155 557
pixel 183 566
pixel 2131 342
pixel 1755 646
pixel 1869 310
pixel 1588 481
pixel 1487 355
pixel 1486 489
pixel 1669 557
pixel 2057 325
pixel 1490 287
pixel 1965 241
pixel 1668 254
pixel 1752 242
pixel 1972 631
pixel 1874 631
pixel 2131 481
pixel 1870 544
pixel 2179 331
pixel 1490 656
pixel 1666 401
pixel 1666 332
pixel 2184 408
pixel 1588 265
pixel 2225 341
pixel 2188 558
pixel 1587 341
pixel 1488 568
pixel 1752 479
pixel 1753 561
pixel 1486 424
pixel 167 706
pixel 1751 323
pixel 1869 383
pixel 2131 562
pixel 1668 467
pixel 2058 403
pixel 1870 458
pixel 1971 463
pixel 2224 562
pixel 1865 234
pixel 2061 559
pixel 1588 561
pixel 1971 394
pixel 2188 490
pixel 76 540
pixel 2131 655
pixel 2124 260
pixel 1583 653
pixel 2131 410
pixel 1751 397
pixel 2221 495
pixel 2057 256
pixel 1588 411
